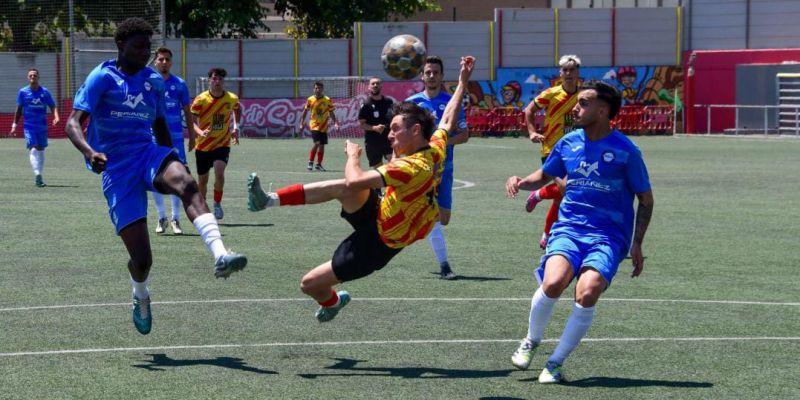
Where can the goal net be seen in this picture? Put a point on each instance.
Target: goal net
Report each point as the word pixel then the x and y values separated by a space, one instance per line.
pixel 272 107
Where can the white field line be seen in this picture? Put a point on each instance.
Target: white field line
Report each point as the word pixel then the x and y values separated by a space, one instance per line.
pixel 393 299
pixel 464 184
pixel 386 342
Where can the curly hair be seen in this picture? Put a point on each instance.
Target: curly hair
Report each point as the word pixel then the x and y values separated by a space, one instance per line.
pixel 130 27
pixel 414 114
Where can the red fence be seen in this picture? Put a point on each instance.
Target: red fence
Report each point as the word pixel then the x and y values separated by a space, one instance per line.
pixel 631 120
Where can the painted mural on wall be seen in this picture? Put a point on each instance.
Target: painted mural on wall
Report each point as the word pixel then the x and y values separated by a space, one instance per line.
pixel 643 85
pixel 514 88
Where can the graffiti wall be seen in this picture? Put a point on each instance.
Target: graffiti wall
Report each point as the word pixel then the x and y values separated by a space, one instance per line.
pixel 644 85
pixel 514 87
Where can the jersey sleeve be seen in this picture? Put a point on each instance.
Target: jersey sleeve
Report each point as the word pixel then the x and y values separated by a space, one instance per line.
pixel 234 102
pixel 90 93
pixel 636 172
pixel 48 99
pixel 331 107
pixel 543 99
pixel 184 96
pixel 363 112
pixel 554 164
pixel 198 104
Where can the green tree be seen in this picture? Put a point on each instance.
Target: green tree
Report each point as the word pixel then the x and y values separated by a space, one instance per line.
pixel 335 18
pixel 214 18
pixel 27 25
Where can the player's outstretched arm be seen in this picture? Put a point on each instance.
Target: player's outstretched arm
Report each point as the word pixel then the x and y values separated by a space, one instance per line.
pixel 531 182
pixel 450 115
pixel 643 213
pixel 354 176
pixel 75 134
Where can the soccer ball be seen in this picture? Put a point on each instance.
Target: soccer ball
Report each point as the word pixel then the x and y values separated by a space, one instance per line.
pixel 403 57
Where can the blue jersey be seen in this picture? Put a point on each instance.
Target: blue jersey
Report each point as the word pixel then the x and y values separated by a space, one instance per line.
pixel 436 106
pixel 176 96
pixel 34 105
pixel 122 107
pixel 602 178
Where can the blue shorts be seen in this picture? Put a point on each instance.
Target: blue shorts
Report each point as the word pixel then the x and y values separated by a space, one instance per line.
pixel 177 144
pixel 602 255
pixel 35 139
pixel 127 179
pixel 445 196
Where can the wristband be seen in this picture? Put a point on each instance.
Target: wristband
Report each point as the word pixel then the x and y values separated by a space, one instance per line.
pixel 13 126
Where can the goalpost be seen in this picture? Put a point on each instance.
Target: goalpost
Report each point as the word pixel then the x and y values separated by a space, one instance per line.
pixel 272 107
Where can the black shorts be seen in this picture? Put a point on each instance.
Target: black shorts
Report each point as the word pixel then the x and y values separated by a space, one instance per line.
pixel 205 159
pixel 319 137
pixel 377 149
pixel 363 252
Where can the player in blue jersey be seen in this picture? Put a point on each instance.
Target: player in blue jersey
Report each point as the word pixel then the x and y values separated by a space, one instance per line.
pixel 434 99
pixel 125 99
pixel 32 103
pixel 604 172
pixel 177 100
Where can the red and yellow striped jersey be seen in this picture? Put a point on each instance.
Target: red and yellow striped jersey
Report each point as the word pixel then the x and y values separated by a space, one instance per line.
pixel 558 119
pixel 321 108
pixel 408 210
pixel 215 114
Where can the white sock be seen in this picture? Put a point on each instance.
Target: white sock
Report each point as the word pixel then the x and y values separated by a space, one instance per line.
pixel 541 311
pixel 37 161
pixel 208 229
pixel 536 195
pixel 140 289
pixel 158 200
pixel 577 325
pixel 438 244
pixel 177 206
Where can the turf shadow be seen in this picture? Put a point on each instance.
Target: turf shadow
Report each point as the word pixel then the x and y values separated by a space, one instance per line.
pixel 615 382
pixel 244 225
pixel 475 278
pixel 161 361
pixel 348 367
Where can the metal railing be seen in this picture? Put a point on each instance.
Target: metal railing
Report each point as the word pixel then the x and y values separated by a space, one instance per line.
pixel 776 128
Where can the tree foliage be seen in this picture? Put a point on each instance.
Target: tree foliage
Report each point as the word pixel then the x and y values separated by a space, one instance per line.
pixel 335 18
pixel 215 18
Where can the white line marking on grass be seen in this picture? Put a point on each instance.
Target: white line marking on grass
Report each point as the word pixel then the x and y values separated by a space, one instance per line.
pixel 385 342
pixel 391 299
pixel 464 184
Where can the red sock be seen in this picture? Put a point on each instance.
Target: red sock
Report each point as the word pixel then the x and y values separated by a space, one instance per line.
pixel 311 155
pixel 320 154
pixel 552 215
pixel 549 192
pixel 217 196
pixel 292 195
pixel 332 301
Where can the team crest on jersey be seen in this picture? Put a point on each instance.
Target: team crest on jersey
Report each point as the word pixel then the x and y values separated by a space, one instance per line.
pixel 147 86
pixel 172 87
pixel 608 156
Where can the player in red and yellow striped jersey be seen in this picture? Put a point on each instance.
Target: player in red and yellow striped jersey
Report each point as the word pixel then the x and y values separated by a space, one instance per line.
pixel 321 107
pixel 212 112
pixel 558 102
pixel 383 227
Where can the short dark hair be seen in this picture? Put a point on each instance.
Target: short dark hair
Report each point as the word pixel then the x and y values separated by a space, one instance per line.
pixel 435 60
pixel 164 50
pixel 219 71
pixel 607 94
pixel 130 27
pixel 34 70
pixel 318 83
pixel 414 114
